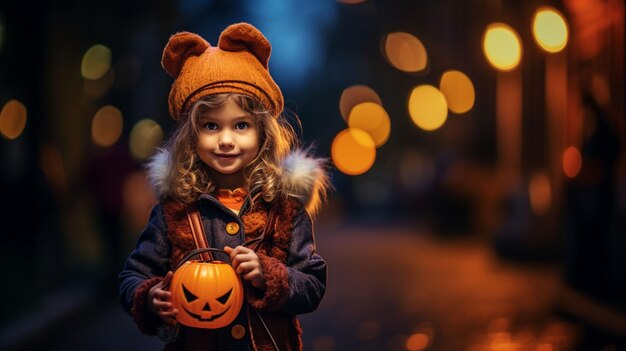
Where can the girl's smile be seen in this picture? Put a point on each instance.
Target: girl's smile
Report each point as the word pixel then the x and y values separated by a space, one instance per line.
pixel 226 156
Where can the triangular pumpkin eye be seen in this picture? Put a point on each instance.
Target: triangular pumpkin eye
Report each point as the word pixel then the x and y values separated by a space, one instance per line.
pixel 222 299
pixel 188 295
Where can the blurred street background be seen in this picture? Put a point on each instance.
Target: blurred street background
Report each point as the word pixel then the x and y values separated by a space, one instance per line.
pixel 477 150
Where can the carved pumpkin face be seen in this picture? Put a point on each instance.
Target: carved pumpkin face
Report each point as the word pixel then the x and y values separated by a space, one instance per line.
pixel 207 295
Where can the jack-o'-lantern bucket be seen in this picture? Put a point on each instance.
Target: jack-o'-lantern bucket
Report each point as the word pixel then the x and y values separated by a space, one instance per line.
pixel 207 293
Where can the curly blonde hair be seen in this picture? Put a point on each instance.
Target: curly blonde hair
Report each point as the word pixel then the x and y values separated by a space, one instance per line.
pixel 190 176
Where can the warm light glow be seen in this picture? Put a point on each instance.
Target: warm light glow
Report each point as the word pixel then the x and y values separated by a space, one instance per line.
pixel 550 29
pixel 106 126
pixel 502 46
pixel 540 193
pixel 498 325
pixel 601 89
pixel 572 162
pixel 405 52
pixel 353 151
pixel 544 347
pixel 12 119
pixel 96 62
pixel 458 90
pixel 145 136
pixel 373 119
pixel 354 95
pixel 417 342
pixel 428 107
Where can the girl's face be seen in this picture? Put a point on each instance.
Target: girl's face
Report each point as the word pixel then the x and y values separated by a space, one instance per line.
pixel 228 140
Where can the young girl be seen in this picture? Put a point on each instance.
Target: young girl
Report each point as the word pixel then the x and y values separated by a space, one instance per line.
pixel 232 157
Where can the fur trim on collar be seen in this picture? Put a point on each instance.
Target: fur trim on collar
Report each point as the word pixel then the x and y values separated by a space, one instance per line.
pixel 158 168
pixel 303 177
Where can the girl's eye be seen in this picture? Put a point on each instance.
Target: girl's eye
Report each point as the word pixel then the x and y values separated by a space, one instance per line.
pixel 211 126
pixel 242 125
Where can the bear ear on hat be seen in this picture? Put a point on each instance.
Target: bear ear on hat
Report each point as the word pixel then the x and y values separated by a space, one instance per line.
pixel 179 48
pixel 244 36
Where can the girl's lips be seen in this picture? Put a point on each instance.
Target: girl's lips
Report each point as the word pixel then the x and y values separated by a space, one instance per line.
pixel 225 156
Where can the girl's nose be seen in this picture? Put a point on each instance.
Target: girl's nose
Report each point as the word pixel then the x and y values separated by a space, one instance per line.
pixel 226 139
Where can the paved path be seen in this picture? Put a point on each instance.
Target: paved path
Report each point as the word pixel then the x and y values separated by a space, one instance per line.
pixel 397 289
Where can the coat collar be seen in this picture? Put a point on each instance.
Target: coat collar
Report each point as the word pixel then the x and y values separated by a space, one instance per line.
pixel 304 177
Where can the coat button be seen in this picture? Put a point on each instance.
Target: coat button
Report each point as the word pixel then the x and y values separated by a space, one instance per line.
pixel 232 228
pixel 238 331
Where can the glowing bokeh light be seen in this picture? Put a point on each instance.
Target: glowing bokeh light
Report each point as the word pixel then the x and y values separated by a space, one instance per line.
pixel 373 119
pixel 405 52
pixel 428 107
pixel 106 126
pixel 353 151
pixel 458 90
pixel 12 119
pixel 502 46
pixel 550 29
pixel 540 193
pixel 417 342
pixel 572 162
pixel 145 137
pixel 96 62
pixel 354 95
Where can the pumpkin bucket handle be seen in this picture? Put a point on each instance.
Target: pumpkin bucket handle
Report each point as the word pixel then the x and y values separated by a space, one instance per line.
pixel 197 252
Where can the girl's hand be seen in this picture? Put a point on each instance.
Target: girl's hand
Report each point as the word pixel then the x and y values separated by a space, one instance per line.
pixel 159 300
pixel 246 262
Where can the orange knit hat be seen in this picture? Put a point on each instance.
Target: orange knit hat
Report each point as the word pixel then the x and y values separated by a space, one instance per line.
pixel 237 65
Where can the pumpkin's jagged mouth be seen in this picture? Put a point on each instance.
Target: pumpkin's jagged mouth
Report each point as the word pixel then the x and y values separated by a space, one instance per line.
pixel 198 317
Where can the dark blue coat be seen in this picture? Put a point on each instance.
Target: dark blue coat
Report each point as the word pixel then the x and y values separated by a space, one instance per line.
pixel 295 274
